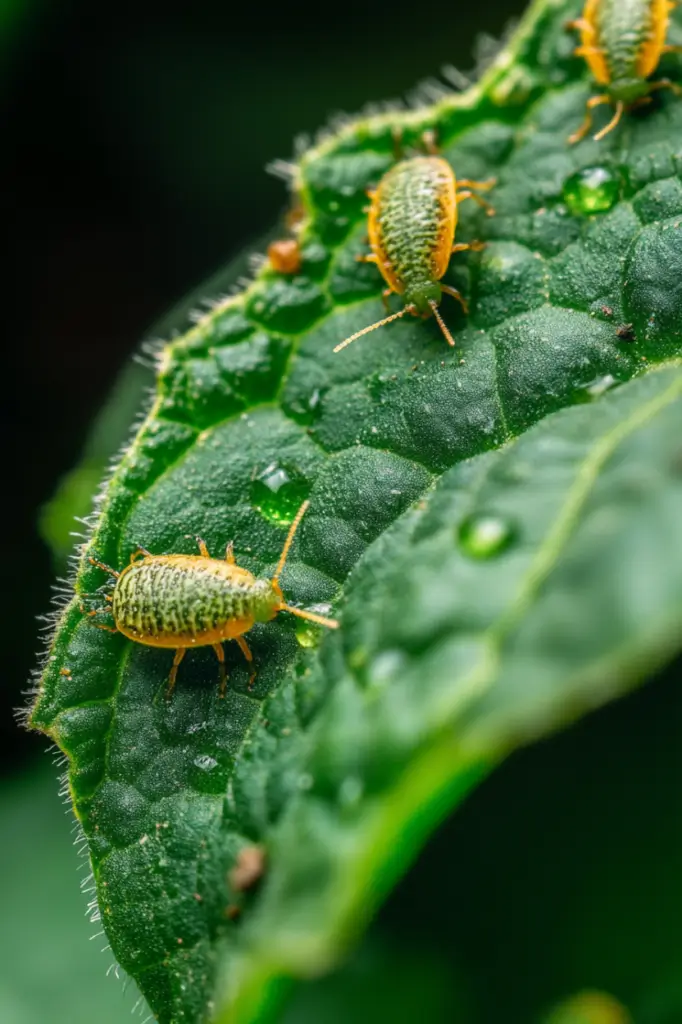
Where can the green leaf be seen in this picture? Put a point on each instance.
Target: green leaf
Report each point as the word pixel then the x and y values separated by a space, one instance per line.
pixel 493 581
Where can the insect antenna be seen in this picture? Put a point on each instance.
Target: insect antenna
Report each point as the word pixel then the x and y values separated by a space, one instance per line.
pixel 311 616
pixel 373 327
pixel 289 541
pixel 441 323
pixel 612 123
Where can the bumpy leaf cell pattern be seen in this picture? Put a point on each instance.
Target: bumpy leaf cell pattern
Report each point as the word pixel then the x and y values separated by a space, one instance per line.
pixel 168 792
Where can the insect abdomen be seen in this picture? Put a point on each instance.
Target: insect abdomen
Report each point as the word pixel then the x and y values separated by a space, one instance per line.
pixel 626 33
pixel 412 221
pixel 182 600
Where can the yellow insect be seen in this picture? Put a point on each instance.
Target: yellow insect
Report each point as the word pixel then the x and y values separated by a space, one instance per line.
pixel 411 227
pixel 622 42
pixel 183 601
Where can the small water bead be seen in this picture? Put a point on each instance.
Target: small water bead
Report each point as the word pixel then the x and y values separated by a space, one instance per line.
pixel 278 493
pixel 350 791
pixel 592 190
pixel 590 1008
pixel 205 762
pixel 309 634
pixel 208 775
pixel 598 386
pixel 485 536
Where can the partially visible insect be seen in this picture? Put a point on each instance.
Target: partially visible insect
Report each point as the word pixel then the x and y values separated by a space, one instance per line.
pixel 248 869
pixel 622 42
pixel 411 227
pixel 285 256
pixel 183 601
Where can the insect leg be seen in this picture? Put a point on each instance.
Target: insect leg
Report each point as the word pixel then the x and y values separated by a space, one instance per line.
pixel 106 568
pixel 246 651
pixel 612 123
pixel 456 295
pixel 474 246
pixel 593 102
pixel 429 142
pixel 587 51
pixel 220 655
pixel 577 25
pixel 478 186
pixel 468 193
pixel 179 655
pixel 397 137
pixel 229 553
pixel 370 258
pixel 137 552
pixel 665 83
pixel 98 611
pixel 202 547
pixel 385 295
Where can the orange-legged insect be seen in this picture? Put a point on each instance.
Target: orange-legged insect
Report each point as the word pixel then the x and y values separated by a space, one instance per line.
pixel 183 601
pixel 411 227
pixel 622 42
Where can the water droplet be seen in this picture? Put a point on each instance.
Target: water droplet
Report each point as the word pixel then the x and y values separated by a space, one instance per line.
pixel 385 667
pixel 205 762
pixel 597 387
pixel 350 791
pixel 592 190
pixel 278 493
pixel 590 1007
pixel 484 536
pixel 308 634
pixel 307 408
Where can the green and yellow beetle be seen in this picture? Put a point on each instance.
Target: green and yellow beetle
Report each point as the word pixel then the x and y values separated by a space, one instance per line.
pixel 184 601
pixel 411 227
pixel 622 42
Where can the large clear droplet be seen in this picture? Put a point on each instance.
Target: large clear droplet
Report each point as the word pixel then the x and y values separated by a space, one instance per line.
pixel 278 493
pixel 592 190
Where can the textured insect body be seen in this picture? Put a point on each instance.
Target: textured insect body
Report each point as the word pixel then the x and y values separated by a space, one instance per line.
pixel 190 600
pixel 622 42
pixel 411 228
pixel 183 601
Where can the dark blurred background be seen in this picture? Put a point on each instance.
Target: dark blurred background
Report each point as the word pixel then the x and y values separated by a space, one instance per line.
pixel 134 139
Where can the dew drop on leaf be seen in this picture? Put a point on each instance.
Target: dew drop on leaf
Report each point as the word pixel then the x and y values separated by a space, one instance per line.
pixel 308 634
pixel 278 493
pixel 350 790
pixel 207 774
pixel 484 536
pixel 597 387
pixel 592 190
pixel 589 1008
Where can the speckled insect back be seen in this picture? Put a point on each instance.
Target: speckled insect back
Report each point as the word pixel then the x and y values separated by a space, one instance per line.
pixel 411 227
pixel 622 42
pixel 183 601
